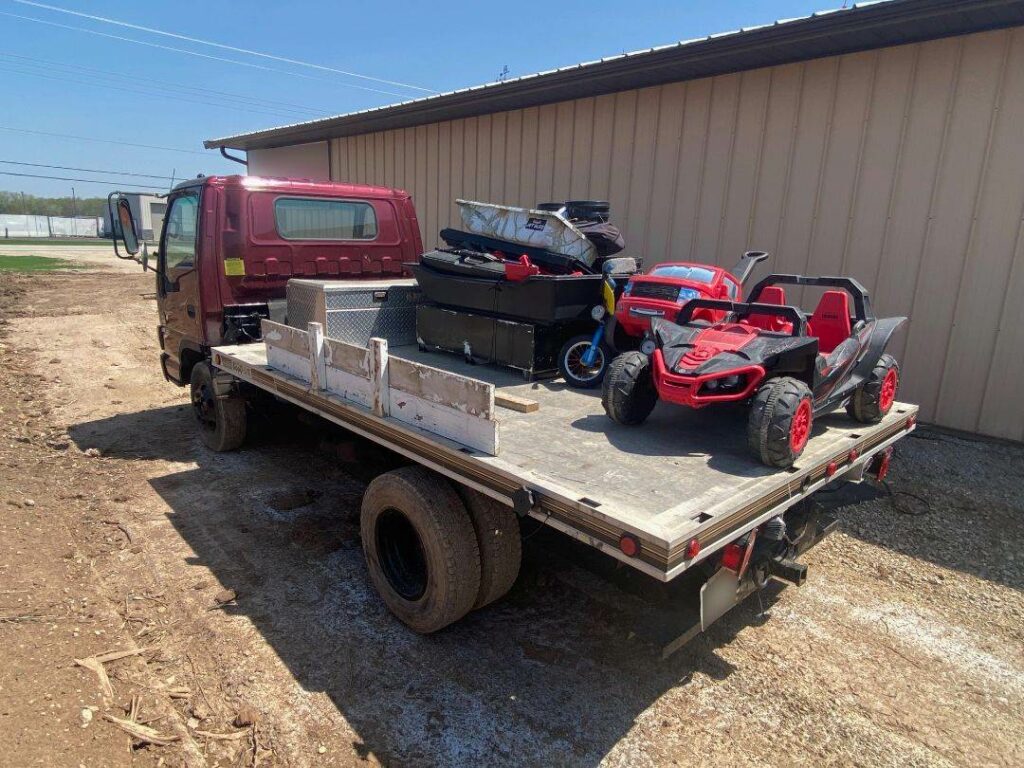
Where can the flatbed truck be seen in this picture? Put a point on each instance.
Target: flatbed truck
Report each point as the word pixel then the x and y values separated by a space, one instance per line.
pixel 486 449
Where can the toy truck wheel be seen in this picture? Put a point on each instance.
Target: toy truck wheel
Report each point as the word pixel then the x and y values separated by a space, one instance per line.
pixel 219 414
pixel 420 547
pixel 571 365
pixel 780 422
pixel 629 394
pixel 873 399
pixel 501 548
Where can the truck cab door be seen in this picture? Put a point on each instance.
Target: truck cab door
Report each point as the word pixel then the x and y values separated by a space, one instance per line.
pixel 178 281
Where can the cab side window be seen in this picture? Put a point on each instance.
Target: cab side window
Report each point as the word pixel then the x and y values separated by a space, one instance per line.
pixel 180 232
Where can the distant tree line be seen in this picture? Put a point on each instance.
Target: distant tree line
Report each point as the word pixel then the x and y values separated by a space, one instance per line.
pixel 19 202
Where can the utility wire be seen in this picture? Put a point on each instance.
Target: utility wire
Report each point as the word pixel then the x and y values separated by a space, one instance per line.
pixel 222 46
pixel 111 183
pixel 101 141
pixel 259 101
pixel 87 170
pixel 66 78
pixel 200 55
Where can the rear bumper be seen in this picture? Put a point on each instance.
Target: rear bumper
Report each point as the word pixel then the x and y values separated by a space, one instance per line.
pixel 687 390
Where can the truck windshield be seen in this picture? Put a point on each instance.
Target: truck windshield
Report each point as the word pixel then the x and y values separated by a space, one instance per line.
pixel 319 219
pixel 682 272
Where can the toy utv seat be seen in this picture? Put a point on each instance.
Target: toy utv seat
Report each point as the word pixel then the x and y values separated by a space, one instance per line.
pixel 831 320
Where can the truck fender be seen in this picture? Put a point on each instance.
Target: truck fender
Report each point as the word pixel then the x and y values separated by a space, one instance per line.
pixel 880 335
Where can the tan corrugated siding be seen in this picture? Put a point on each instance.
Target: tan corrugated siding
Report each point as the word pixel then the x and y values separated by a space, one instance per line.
pixel 900 166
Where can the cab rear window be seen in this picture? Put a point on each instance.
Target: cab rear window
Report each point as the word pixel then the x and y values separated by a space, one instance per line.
pixel 697 274
pixel 319 219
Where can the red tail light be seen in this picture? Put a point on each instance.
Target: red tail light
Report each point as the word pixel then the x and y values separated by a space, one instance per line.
pixel 629 545
pixel 880 464
pixel 692 549
pixel 831 468
pixel 911 421
pixel 854 455
pixel 732 557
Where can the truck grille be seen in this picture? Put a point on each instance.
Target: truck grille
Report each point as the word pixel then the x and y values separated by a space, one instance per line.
pixel 663 291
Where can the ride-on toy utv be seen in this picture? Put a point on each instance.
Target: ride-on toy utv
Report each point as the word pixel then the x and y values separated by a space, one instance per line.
pixel 790 367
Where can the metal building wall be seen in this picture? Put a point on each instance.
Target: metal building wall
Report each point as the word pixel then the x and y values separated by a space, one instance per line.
pixel 903 167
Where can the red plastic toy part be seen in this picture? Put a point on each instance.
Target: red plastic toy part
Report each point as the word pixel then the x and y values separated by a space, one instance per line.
pixel 800 427
pixel 887 395
pixel 686 390
pixel 517 271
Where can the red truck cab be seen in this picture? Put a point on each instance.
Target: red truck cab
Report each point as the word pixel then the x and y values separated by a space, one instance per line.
pixel 229 245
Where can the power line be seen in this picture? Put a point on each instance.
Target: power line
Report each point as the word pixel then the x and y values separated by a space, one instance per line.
pixel 200 55
pixel 101 141
pixel 222 46
pixel 66 78
pixel 87 170
pixel 283 105
pixel 111 183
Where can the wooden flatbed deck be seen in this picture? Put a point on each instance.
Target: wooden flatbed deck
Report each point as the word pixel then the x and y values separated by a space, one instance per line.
pixel 681 475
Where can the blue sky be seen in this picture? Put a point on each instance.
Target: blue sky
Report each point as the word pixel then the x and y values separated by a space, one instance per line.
pixel 59 80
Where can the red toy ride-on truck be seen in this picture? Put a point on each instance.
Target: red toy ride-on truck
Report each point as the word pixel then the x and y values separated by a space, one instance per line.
pixel 662 291
pixel 788 366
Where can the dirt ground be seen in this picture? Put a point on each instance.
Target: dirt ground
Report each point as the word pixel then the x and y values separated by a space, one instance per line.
pixel 238 584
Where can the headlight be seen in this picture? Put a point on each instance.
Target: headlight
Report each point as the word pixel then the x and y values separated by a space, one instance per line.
pixel 597 312
pixel 628 289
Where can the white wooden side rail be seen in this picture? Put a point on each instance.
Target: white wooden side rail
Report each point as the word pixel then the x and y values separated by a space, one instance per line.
pixel 445 403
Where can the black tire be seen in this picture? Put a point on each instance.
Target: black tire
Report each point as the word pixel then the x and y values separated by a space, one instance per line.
pixel 501 547
pixel 221 418
pixel 872 400
pixel 420 548
pixel 629 394
pixel 779 409
pixel 571 366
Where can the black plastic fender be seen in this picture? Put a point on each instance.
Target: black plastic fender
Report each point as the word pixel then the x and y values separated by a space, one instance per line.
pixel 875 348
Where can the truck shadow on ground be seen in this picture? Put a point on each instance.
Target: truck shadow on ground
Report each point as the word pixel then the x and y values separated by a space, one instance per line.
pixel 555 673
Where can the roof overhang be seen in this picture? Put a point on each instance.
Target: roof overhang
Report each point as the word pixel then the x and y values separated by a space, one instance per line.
pixel 829 33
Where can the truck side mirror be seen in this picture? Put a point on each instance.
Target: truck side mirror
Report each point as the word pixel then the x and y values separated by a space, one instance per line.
pixel 129 237
pixel 123 224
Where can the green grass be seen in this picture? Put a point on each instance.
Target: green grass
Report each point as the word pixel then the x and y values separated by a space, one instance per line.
pixel 52 240
pixel 34 264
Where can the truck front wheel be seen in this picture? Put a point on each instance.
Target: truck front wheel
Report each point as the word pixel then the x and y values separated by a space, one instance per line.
pixel 421 548
pixel 220 415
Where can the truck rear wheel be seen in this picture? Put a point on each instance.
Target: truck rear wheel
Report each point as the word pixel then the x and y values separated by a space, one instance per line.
pixel 629 394
pixel 873 399
pixel 421 548
pixel 780 421
pixel 501 548
pixel 220 415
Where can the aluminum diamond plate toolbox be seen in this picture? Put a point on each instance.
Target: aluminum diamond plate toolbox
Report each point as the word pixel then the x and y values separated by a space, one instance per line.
pixel 356 310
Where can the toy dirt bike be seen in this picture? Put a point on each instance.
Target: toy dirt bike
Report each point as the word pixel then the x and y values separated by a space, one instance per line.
pixel 584 359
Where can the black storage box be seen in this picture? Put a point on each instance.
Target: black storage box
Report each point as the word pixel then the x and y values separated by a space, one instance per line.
pixel 539 299
pixel 529 347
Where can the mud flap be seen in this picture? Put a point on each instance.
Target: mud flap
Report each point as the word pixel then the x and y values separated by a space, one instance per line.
pixel 718 595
